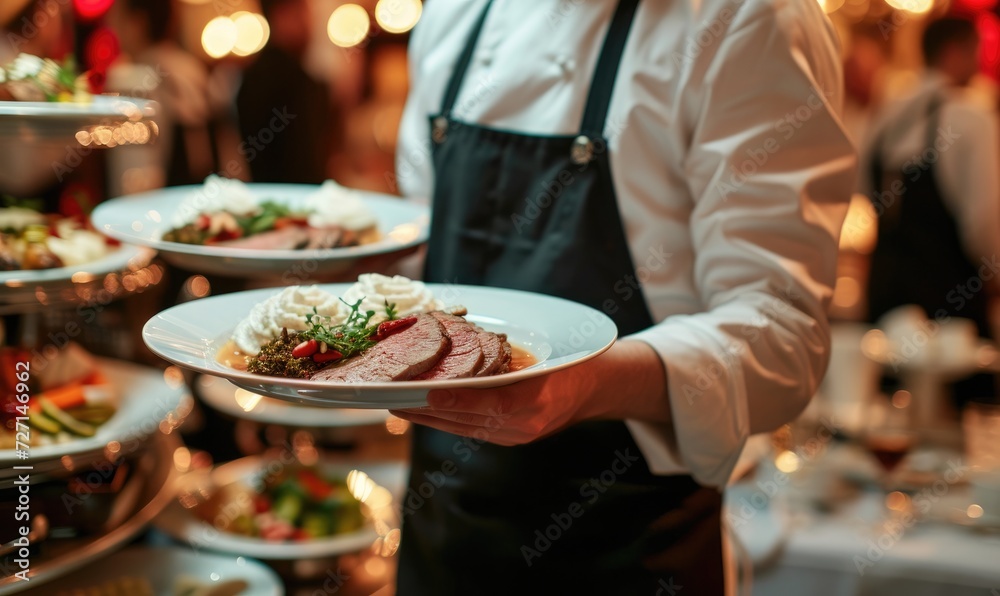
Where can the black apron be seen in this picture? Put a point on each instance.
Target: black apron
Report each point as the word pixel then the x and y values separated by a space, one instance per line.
pixel 578 512
pixel 919 258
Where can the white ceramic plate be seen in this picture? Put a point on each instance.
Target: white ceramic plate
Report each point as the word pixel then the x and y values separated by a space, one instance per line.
pixel 239 403
pixel 163 567
pixel 143 218
pixel 154 479
pixel 121 258
pixel 145 397
pixel 557 332
pixel 31 119
pixel 181 524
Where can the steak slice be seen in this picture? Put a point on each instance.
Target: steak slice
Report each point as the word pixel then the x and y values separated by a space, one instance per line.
pixel 324 238
pixel 288 238
pixel 464 357
pixel 399 357
pixel 496 353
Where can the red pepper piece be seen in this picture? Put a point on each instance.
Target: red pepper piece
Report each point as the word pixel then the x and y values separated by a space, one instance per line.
pixel 261 504
pixel 305 349
pixel 290 221
pixel 224 235
pixel 328 356
pixel 387 328
pixel 317 488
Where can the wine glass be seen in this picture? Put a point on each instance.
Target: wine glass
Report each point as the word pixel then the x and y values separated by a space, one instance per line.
pixel 889 437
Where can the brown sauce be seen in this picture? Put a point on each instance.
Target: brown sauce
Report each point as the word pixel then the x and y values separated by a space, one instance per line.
pixel 231 356
pixel 521 358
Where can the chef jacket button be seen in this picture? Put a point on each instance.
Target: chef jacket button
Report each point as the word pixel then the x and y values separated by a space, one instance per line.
pixel 439 131
pixel 582 151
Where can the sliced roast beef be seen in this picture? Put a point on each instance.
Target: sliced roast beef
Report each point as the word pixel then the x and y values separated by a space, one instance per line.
pixel 496 353
pixel 464 357
pixel 399 357
pixel 287 238
pixel 324 238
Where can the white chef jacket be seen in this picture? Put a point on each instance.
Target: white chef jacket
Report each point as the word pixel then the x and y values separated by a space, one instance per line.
pixel 732 171
pixel 967 156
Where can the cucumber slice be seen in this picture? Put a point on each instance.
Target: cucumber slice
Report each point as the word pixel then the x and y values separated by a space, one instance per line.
pixel 68 422
pixel 43 423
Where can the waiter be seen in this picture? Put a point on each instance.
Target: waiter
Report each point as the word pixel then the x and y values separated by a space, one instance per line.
pixel 678 165
pixel 932 175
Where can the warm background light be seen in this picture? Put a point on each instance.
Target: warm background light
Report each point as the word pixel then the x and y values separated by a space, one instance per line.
pixel 912 6
pixel 219 37
pixel 348 25
pixel 829 6
pixel 398 16
pixel 90 9
pixel 252 32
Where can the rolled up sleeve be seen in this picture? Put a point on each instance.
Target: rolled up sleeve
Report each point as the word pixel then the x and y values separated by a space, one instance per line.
pixel 770 170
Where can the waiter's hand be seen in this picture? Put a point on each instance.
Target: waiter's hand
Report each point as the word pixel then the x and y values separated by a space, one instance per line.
pixel 627 381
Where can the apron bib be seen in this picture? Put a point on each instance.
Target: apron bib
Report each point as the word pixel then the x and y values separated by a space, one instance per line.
pixel 919 258
pixel 577 512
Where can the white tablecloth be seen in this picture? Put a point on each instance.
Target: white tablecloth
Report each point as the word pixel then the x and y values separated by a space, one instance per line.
pixel 816 554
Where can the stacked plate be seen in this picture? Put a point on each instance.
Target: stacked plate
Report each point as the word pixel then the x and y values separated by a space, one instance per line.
pixel 31 121
pixel 147 489
pixel 150 401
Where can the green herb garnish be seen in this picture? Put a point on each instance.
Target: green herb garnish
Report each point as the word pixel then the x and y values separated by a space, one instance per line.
pixel 351 337
pixel 390 311
pixel 264 219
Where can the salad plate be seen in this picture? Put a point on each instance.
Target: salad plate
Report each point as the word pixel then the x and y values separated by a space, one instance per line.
pixel 554 333
pixel 378 485
pixel 145 218
pixel 145 398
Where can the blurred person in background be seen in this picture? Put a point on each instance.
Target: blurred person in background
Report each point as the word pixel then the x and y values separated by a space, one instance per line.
pixel 154 65
pixel 284 113
pixel 933 170
pixel 864 65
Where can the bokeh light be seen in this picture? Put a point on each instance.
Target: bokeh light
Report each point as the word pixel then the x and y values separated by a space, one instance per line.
pixel 102 48
pixel 219 37
pixel 91 9
pixel 252 32
pixel 398 16
pixel 348 25
pixel 912 6
pixel 830 6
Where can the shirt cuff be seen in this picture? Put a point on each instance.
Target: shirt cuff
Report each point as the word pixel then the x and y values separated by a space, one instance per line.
pixel 707 393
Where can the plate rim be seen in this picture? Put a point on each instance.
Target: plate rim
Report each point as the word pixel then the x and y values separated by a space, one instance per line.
pixel 73 109
pixel 421 219
pixel 119 259
pixel 154 551
pixel 87 445
pixel 244 378
pixel 163 445
pixel 280 411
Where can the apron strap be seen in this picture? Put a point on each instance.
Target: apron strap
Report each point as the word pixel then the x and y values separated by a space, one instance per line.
pixel 603 84
pixel 458 73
